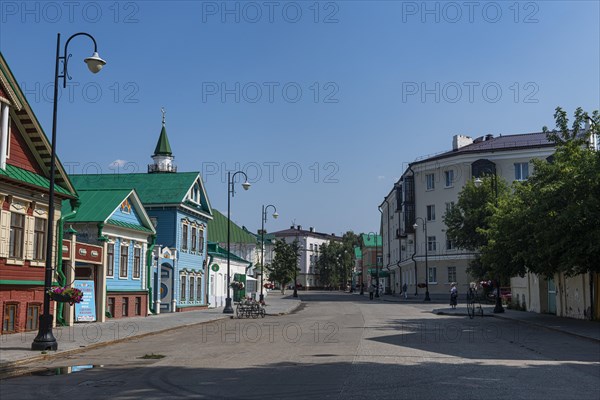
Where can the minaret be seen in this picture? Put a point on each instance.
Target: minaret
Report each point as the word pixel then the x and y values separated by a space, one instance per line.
pixel 163 157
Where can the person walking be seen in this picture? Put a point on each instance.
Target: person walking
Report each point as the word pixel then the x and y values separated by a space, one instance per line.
pixel 371 292
pixel 405 291
pixel 453 295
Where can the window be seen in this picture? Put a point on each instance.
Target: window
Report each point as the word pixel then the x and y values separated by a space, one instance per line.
pixel 184 237
pixel 125 307
pixel 39 239
pixel 430 178
pixel 182 294
pixel 451 274
pixel 449 178
pixel 201 240
pixel 10 316
pixel 17 231
pixel 449 206
pixel 137 262
pixel 33 317
pixel 138 306
pixel 111 306
pixel 450 244
pixel 199 289
pixel 194 238
pixel 521 171
pixel 431 213
pixel 110 261
pixel 124 261
pixel 432 274
pixel 431 243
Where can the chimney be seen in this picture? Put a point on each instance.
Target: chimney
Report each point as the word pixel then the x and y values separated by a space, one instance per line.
pixel 311 229
pixel 293 227
pixel 459 141
pixel 299 227
pixel 489 136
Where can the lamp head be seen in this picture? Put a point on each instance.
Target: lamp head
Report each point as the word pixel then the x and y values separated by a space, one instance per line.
pixel 478 181
pixel 275 215
pixel 95 63
pixel 246 185
pixel 415 225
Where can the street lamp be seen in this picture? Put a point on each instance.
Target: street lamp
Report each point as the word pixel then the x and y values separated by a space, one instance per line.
pixel 45 339
pixel 262 246
pixel 376 260
pixel 230 193
pixel 427 298
pixel 498 309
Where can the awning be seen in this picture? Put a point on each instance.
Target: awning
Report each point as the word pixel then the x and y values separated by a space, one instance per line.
pixel 382 273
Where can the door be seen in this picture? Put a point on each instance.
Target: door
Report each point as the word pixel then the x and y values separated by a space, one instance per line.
pixel 166 283
pixel 551 297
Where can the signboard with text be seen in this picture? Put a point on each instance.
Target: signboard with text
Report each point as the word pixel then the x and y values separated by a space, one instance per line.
pixel 86 310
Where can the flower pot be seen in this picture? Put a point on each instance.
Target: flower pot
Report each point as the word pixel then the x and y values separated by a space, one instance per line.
pixel 60 298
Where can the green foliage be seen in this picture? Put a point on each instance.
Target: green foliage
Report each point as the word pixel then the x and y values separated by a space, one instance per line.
pixel 551 223
pixel 285 262
pixel 335 262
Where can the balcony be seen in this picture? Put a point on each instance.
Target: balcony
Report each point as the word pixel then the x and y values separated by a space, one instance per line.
pixel 162 168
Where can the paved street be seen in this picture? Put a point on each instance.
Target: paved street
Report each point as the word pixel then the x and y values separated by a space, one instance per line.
pixel 336 345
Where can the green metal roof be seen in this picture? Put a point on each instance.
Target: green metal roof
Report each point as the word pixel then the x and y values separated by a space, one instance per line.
pixel 31 178
pixel 215 250
pixel 217 231
pixel 369 240
pixel 357 253
pixel 151 188
pixel 96 205
pixel 163 148
pixel 124 224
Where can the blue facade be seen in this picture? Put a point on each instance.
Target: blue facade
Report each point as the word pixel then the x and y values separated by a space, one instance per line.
pixel 183 279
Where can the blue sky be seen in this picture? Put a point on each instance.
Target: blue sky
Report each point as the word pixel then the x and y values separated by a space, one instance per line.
pixel 322 104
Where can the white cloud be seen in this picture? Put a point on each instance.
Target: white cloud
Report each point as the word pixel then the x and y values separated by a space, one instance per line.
pixel 380 177
pixel 117 164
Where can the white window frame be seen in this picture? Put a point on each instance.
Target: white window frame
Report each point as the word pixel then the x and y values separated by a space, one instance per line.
pixel 519 171
pixel 449 178
pixel 454 273
pixel 431 212
pixel 429 275
pixel 431 244
pixel 430 181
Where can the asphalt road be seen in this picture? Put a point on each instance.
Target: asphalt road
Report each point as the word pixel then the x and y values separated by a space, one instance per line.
pixel 336 346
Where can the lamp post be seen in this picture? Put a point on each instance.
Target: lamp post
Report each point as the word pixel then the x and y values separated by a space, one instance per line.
pixel 376 261
pixel 262 246
pixel 427 298
pixel 45 339
pixel 498 309
pixel 230 193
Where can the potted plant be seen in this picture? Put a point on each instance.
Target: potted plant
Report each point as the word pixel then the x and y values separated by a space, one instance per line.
pixel 66 295
pixel 235 285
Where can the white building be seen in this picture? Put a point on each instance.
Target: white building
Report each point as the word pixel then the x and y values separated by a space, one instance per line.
pixel 431 185
pixel 310 243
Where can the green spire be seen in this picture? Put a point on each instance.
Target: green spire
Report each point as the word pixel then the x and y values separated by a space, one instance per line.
pixel 163 148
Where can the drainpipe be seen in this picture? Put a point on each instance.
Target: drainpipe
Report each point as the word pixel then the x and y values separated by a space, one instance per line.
pixel 414 234
pixel 62 279
pixel 207 280
pixel 149 259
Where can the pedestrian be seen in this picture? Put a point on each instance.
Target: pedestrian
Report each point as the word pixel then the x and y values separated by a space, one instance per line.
pixel 453 295
pixel 371 291
pixel 405 291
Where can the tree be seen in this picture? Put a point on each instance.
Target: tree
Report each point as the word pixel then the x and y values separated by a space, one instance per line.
pixel 335 261
pixel 468 221
pixel 552 222
pixel 285 263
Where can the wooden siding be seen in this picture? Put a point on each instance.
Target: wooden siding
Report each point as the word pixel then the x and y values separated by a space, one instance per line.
pixel 166 234
pixel 132 217
pixel 116 283
pixel 20 272
pixel 20 155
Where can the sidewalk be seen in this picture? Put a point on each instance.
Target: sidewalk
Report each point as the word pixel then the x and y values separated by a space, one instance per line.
pixel 16 348
pixel 576 327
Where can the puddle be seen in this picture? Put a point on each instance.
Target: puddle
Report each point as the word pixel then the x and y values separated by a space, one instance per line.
pixel 64 370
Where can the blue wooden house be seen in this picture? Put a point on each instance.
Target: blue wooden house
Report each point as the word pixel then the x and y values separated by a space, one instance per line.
pixel 116 220
pixel 179 209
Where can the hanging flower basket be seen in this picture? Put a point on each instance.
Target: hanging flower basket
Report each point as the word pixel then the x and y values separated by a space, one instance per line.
pixel 66 295
pixel 236 285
